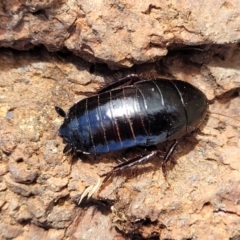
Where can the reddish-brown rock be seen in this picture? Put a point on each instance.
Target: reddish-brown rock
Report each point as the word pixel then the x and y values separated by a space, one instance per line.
pixel 117 33
pixel 40 186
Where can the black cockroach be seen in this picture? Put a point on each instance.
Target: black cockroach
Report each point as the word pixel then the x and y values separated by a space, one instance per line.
pixel 133 112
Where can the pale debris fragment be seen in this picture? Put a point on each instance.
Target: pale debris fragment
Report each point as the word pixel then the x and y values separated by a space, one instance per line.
pixel 89 191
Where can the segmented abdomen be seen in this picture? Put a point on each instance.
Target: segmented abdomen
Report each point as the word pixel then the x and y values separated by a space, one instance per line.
pixel 143 114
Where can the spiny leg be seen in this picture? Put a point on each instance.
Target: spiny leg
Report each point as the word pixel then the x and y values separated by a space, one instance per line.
pixel 126 81
pixel 167 156
pixel 130 163
pixel 135 161
pixel 140 159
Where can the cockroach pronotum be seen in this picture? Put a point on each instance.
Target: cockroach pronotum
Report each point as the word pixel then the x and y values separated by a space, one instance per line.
pixel 133 112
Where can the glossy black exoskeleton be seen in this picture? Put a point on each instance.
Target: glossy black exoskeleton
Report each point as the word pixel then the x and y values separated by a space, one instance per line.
pixel 133 112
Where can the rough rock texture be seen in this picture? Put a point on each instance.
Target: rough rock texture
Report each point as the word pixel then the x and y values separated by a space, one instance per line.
pixel 119 33
pixel 40 187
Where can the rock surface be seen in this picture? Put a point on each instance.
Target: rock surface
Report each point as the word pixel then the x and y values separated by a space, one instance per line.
pixel 119 33
pixel 40 186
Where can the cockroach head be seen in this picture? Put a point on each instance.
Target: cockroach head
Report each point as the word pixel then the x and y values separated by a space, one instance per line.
pixel 68 131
